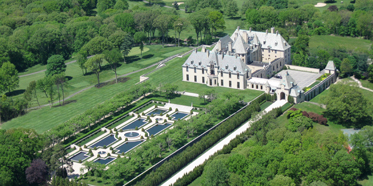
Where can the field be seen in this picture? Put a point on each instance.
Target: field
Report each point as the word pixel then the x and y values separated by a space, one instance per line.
pixel 171 73
pixel 78 81
pixel 348 43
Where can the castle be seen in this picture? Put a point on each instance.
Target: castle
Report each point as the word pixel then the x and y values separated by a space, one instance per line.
pixel 246 60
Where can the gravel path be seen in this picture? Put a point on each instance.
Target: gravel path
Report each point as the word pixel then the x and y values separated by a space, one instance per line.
pixel 359 83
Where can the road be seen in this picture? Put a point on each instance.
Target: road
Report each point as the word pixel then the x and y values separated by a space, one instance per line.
pixel 202 158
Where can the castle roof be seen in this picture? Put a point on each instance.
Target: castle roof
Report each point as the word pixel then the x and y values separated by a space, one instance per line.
pixel 288 81
pixel 240 45
pixel 330 66
pixel 268 40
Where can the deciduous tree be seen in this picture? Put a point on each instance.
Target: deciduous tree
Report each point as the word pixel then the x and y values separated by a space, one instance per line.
pixel 93 64
pixel 113 57
pixel 9 77
pixel 140 38
pixel 55 65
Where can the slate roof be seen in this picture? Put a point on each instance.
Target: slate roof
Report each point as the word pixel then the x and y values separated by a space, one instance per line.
pixel 268 40
pixel 330 66
pixel 228 63
pixel 288 81
pixel 239 45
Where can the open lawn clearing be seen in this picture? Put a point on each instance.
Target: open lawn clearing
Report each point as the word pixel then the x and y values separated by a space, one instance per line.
pixel 196 182
pixel 181 50
pixel 46 118
pixel 78 81
pixel 171 73
pixel 366 182
pixel 348 43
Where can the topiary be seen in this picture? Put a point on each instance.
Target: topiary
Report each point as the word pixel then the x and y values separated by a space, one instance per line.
pixel 111 148
pixel 152 115
pixel 141 137
pixel 142 129
pixel 120 138
pixel 191 111
pixel 152 136
pixel 95 148
pixel 104 147
pixel 156 121
pixel 85 146
pixel 108 154
pixel 143 114
pixel 98 155
pixel 80 148
pixel 113 151
pixel 136 128
pixel 170 109
pixel 80 161
pixel 156 106
pixel 126 139
pixel 122 153
pixel 176 109
pixel 146 134
pixel 167 115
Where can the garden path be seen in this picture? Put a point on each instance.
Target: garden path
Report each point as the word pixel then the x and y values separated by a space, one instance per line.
pixel 359 83
pixel 202 158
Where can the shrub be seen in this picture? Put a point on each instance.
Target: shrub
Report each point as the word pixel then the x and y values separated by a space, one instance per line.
pixel 111 148
pixel 122 153
pixel 176 109
pixel 167 115
pixel 120 138
pixel 191 111
pixel 136 128
pixel 141 137
pixel 113 151
pixel 85 146
pixel 305 114
pixel 156 121
pixel 95 148
pixel 80 161
pixel 118 156
pixel 152 115
pixel 152 136
pixel 143 114
pixel 126 139
pixel 156 106
pixel 98 155
pixel 80 148
pixel 169 109
pixel 142 129
pixel 104 147
pixel 108 154
pixel 146 134
pixel 90 151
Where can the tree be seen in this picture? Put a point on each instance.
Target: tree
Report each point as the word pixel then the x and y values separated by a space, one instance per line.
pixel 9 79
pixel 217 20
pixel 32 87
pixel 55 65
pixel 81 59
pixel 93 64
pixel 140 37
pixel 370 71
pixel 179 25
pixel 230 8
pixel 48 85
pixel 61 82
pixel 126 22
pixel 121 5
pixel 113 57
pixel 215 173
pixel 346 104
pixel 37 172
pixel 280 180
pixel 176 6
pixel 346 67
pixel 170 90
pixel 118 37
pixel 197 20
pixel 162 23
pixel 126 46
pixel 278 4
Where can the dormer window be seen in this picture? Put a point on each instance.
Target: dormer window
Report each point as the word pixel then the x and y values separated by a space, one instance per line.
pixel 276 44
pixel 195 70
pixel 226 66
pixel 238 75
pixel 200 63
pixel 192 62
pixel 203 71
pixel 230 74
pixel 264 42
pixel 187 68
pixel 234 68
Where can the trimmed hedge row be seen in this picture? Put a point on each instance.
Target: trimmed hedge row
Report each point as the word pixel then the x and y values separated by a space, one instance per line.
pixel 197 172
pixel 177 162
pixel 108 122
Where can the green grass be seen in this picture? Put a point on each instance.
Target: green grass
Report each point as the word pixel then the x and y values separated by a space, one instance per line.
pixel 366 182
pixel 196 182
pixel 171 73
pixel 265 105
pixel 366 84
pixel 182 50
pixel 46 118
pixel 314 2
pixel 79 81
pixel 348 43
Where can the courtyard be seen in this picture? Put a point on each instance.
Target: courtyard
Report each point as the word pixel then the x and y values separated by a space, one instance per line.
pixel 302 78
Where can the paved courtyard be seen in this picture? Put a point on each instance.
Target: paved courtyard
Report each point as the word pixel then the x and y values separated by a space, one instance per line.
pixel 303 79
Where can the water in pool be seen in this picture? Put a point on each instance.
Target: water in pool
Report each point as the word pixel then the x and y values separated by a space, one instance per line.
pixel 128 146
pixel 106 141
pixel 138 123
pixel 131 134
pixel 156 112
pixel 104 161
pixel 157 128
pixel 178 115
pixel 80 156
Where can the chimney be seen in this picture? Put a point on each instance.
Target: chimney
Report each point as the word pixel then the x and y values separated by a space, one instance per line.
pixel 195 49
pixel 245 37
pixel 250 29
pixel 266 31
pixel 272 30
pixel 203 48
pixel 238 27
pixel 219 45
pixel 222 55
pixel 230 46
pixel 208 53
pixel 276 32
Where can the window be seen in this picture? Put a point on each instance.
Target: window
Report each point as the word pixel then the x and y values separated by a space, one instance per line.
pixel 238 84
pixel 195 78
pixel 238 76
pixel 203 71
pixel 261 87
pixel 230 75
pixel 203 79
pixel 187 69
pixel 221 73
pixel 252 85
pixel 195 70
pixel 275 51
pixel 222 83
pixel 247 74
pixel 230 83
pixel 187 77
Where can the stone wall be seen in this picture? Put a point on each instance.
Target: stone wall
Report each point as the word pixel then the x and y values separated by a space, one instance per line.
pixel 317 89
pixel 306 69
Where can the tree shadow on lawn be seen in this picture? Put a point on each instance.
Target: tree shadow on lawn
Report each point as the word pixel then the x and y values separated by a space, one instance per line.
pixel 66 102
pixel 15 92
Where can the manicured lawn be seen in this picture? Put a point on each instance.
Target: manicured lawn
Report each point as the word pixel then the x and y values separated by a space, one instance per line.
pixel 171 73
pixel 78 81
pixel 265 105
pixel 196 182
pixel 348 43
pixel 46 118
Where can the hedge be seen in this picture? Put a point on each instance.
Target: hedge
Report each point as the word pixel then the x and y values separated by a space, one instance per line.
pixel 197 171
pixel 167 169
